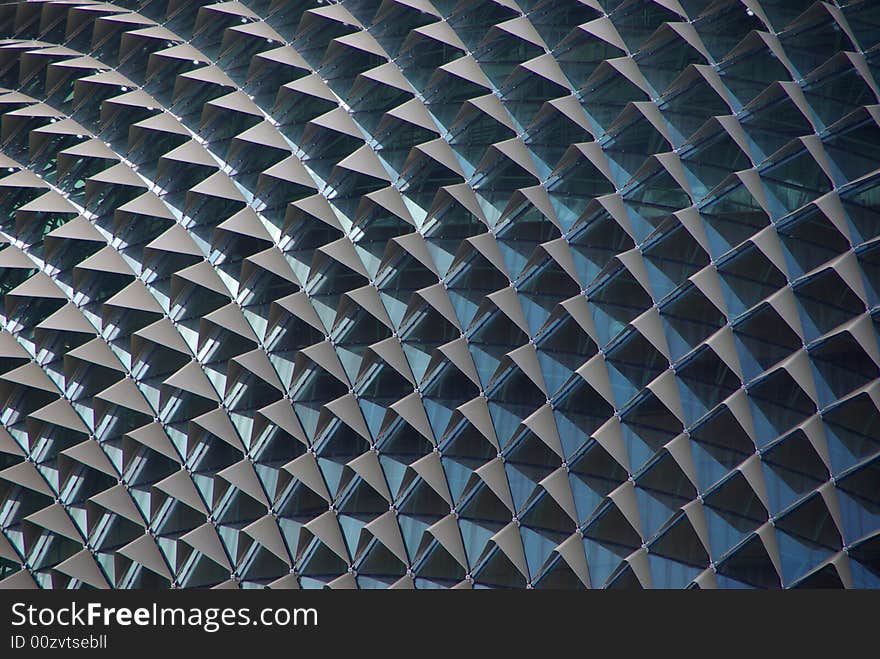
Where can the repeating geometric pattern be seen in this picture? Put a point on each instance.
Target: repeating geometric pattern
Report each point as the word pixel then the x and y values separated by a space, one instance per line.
pixel 440 293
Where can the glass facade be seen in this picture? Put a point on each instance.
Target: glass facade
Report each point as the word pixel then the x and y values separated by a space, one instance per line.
pixel 440 294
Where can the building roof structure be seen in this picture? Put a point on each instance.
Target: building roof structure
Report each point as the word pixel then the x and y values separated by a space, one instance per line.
pixel 425 293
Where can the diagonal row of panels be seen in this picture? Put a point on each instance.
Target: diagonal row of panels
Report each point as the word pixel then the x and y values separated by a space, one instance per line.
pixel 440 294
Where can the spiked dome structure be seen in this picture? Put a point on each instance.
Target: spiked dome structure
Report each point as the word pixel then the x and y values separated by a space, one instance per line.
pixel 425 293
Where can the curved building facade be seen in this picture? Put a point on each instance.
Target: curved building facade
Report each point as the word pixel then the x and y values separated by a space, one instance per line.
pixel 436 293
